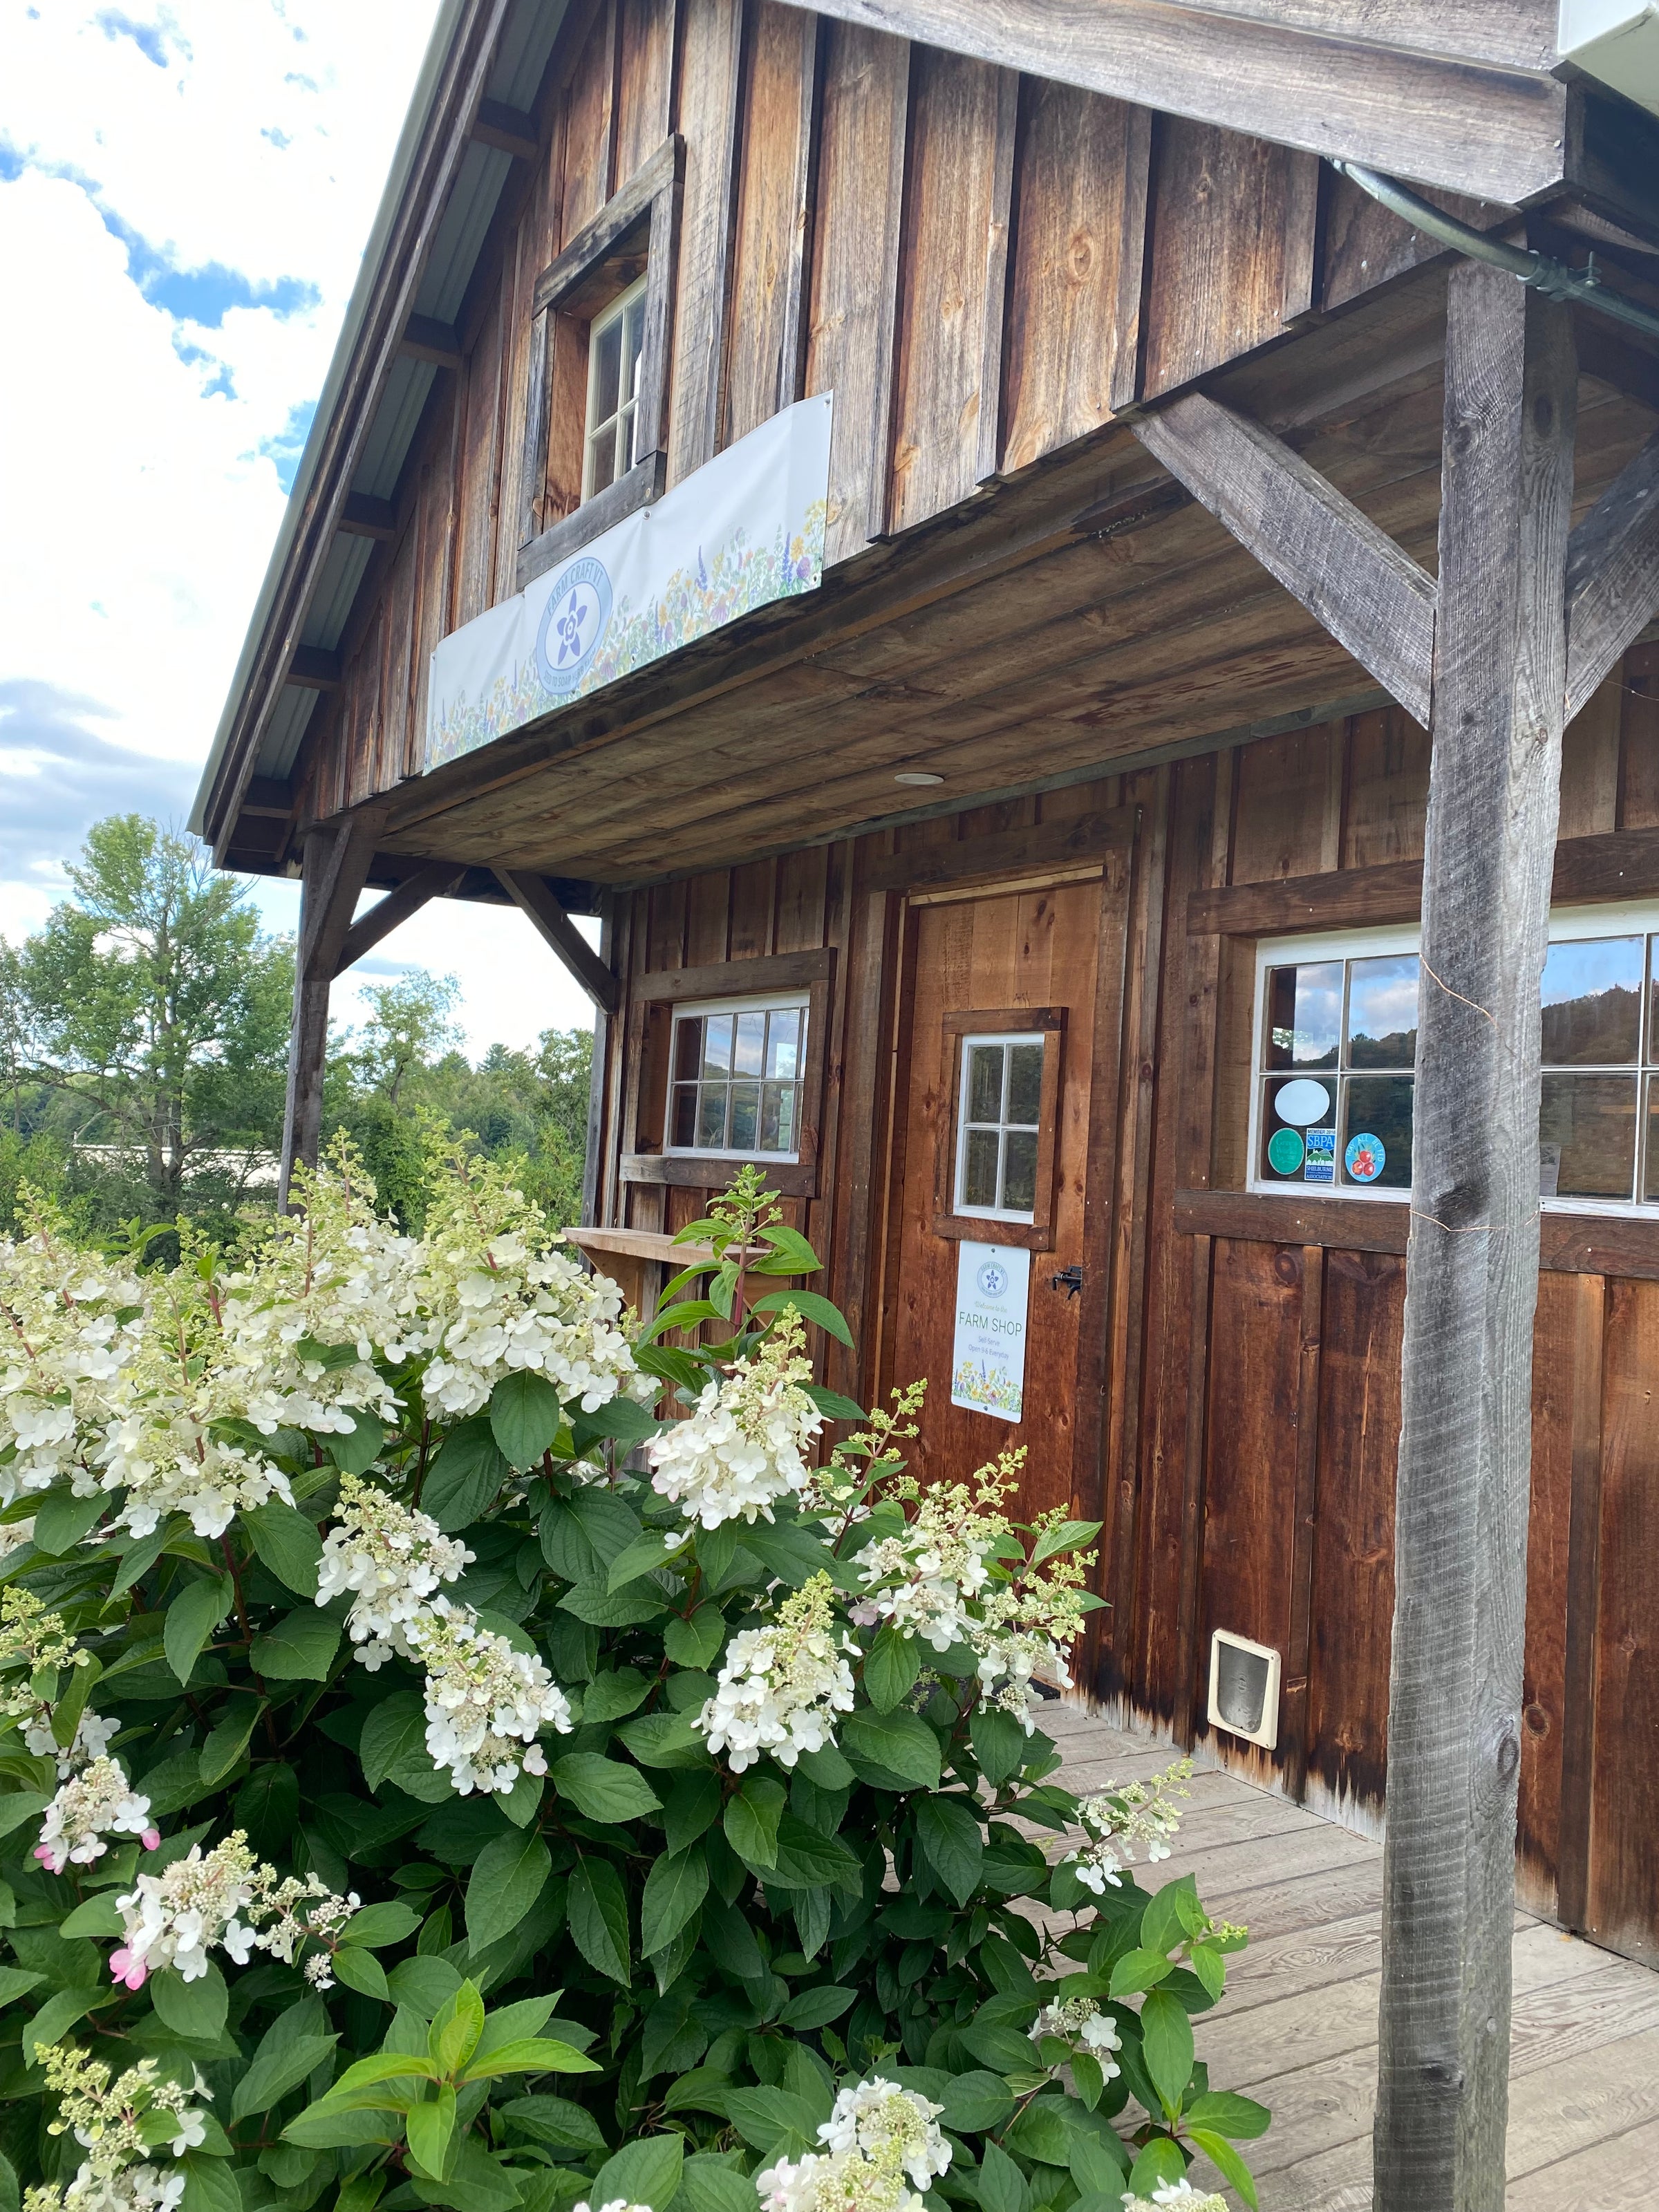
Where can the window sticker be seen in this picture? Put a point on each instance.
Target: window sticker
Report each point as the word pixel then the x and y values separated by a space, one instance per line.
pixel 1320 1165
pixel 1365 1159
pixel 1301 1101
pixel 1284 1151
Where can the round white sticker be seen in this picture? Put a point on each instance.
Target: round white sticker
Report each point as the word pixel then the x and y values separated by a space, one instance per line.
pixel 1302 1102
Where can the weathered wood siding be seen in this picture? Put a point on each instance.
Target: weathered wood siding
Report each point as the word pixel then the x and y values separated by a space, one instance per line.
pixel 961 255
pixel 1252 1404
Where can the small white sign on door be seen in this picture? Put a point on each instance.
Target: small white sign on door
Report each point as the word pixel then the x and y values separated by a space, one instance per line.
pixel 987 1356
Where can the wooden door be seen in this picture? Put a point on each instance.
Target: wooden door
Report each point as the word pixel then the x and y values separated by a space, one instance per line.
pixel 1001 1001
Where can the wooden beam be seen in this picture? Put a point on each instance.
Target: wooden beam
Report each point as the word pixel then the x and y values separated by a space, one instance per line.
pixel 1613 575
pixel 1372 597
pixel 435 880
pixel 363 516
pixel 506 128
pixel 269 796
pixel 1471 1264
pixel 1493 133
pixel 534 899
pixel 624 211
pixel 314 669
pixel 1621 864
pixel 334 869
pixel 425 339
pixel 711 72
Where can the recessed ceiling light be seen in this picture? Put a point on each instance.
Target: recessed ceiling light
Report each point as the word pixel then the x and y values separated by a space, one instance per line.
pixel 917 775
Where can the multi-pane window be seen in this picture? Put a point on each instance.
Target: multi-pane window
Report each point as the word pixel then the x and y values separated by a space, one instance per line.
pixel 1336 1036
pixel 615 341
pixel 736 1086
pixel 998 1125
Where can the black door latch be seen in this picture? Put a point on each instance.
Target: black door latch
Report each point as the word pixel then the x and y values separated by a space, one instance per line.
pixel 1069 1279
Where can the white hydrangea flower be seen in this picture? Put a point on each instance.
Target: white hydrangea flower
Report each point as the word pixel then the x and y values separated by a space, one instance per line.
pixel 1180 2192
pixel 110 2119
pixel 782 1686
pixel 834 2181
pixel 744 1446
pixel 890 2125
pixel 70 1322
pixel 91 1739
pixel 393 1558
pixel 90 1806
pixel 499 1302
pixel 175 1919
pixel 1125 1814
pixel 1080 2021
pixel 485 1703
pixel 616 2204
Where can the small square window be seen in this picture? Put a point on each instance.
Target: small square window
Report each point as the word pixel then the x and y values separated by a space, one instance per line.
pixel 737 1079
pixel 999 1126
pixel 616 343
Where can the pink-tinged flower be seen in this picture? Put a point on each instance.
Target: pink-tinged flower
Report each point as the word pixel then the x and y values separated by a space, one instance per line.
pixel 50 1859
pixel 124 1967
pixel 151 1839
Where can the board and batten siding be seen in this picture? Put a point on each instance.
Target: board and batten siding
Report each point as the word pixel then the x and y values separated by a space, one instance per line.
pixel 960 255
pixel 1251 1409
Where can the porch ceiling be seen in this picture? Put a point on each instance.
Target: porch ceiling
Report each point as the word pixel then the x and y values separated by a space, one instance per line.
pixel 1086 613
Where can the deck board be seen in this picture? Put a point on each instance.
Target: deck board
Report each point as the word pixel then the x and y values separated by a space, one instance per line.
pixel 1299 2024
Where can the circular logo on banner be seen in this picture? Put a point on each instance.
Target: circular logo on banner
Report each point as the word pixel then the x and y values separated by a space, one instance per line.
pixel 992 1278
pixel 1365 1159
pixel 572 622
pixel 1303 1101
pixel 1284 1151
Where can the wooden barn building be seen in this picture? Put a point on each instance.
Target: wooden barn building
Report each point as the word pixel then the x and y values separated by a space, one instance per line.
pixel 947 524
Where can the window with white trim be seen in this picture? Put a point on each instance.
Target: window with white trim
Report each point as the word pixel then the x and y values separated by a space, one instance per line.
pixel 1335 1037
pixel 736 1084
pixel 999 1122
pixel 616 347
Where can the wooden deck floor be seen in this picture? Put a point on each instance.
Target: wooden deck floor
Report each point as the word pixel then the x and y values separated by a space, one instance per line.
pixel 1297 2026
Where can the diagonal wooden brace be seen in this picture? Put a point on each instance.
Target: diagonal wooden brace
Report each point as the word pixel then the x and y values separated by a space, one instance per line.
pixel 530 894
pixel 435 880
pixel 1349 575
pixel 1612 574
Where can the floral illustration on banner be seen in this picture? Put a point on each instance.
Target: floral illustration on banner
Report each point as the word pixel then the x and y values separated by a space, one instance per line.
pixel 737 578
pixel 974 1385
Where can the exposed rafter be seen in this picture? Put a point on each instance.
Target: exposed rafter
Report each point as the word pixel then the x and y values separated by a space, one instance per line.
pixel 534 896
pixel 434 881
pixel 1612 574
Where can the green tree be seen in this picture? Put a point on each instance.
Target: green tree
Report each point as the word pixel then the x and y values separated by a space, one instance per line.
pixel 153 1009
pixel 410 1024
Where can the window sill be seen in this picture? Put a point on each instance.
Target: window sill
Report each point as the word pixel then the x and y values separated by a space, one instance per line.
pixel 642 487
pixel 714 1171
pixel 1568 1243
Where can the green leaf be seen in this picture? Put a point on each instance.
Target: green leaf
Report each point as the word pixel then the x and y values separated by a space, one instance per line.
pixel 384 2066
pixel 996 2044
pixel 999 1744
pixel 604 1789
pixel 592 1601
pixel 1163 1924
pixel 951 1843
pixel 794 1554
pixel 67 1711
pixel 622 1419
pixel 1040 2133
pixel 226 1742
pixel 465 1476
pixel 664 1739
pixel 645 2172
pixel 191 1618
pixel 790 1245
pixel 1138 1970
pixel 61 1520
pixel 456 2026
pixel 751 1820
pixel 709 2185
pixel 361 1970
pixel 891 1667
pixel 558 2122
pixel 508 1876
pixel 531 2055
pixel 690 1807
pixel 816 2008
pixel 287 1542
pixel 428 2128
pixel 976 2103
pixel 1222 2155
pixel 1159 2164
pixel 208 2186
pixel 1099 2163
pixel 190 2009
pixel 609 1697
pixel 674 1889
pixel 810 1306
pixel 1166 2046
pixel 423 1984
pixel 899 1747
pixel 393 1730
pixel 833 1406
pixel 643 1556
pixel 17 1806
pixel 524 1416
pixel 807 1860
pixel 767 2117
pixel 1065 1536
pixel 281 2064
pixel 1001 2185
pixel 355 1454
pixel 695 1641
pixel 1226 2113
pixel 374 1926
pixel 300 1648
pixel 597 1906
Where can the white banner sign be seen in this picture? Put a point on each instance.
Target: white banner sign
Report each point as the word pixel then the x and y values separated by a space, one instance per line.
pixel 742 530
pixel 987 1358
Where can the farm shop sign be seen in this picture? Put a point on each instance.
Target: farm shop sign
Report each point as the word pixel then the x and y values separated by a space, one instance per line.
pixel 987 1354
pixel 743 531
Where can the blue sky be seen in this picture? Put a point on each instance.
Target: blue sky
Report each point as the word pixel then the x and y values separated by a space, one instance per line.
pixel 184 190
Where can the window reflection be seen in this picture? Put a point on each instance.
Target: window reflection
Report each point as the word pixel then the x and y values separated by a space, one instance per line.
pixel 737 1079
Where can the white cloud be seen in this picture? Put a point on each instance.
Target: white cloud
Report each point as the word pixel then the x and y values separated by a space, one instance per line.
pixel 184 193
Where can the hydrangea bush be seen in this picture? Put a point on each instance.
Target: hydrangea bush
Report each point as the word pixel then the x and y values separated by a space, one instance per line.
pixel 460 1748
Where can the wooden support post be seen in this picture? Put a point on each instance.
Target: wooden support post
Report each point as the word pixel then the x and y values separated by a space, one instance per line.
pixel 1472 1264
pixel 534 899
pixel 335 868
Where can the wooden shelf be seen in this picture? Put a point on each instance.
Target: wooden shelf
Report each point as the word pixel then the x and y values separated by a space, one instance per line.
pixel 639 1244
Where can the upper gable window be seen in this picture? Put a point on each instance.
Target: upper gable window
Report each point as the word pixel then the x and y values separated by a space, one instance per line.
pixel 615 343
pixel 1334 1084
